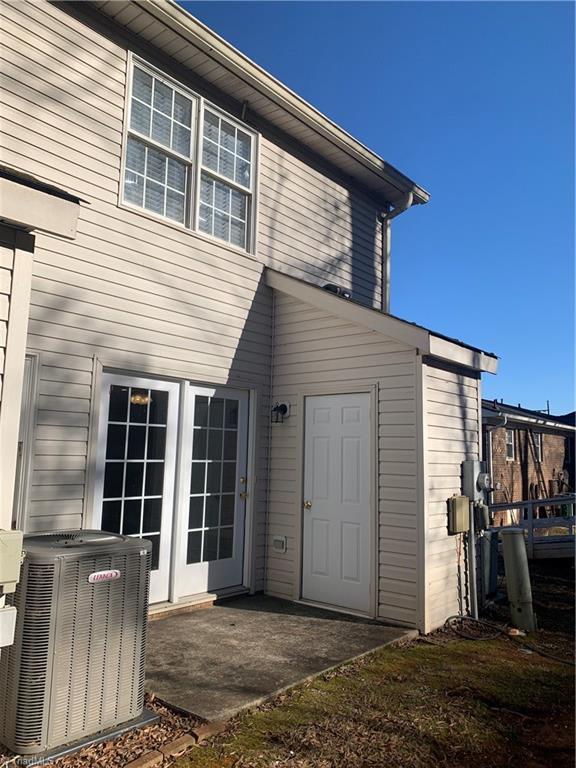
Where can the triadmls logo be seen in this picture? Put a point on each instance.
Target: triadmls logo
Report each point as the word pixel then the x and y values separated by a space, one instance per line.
pixel 98 576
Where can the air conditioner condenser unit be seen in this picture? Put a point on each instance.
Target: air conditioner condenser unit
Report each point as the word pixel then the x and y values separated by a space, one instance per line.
pixel 77 664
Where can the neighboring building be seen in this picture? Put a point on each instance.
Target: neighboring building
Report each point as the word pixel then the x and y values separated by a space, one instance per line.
pixel 171 214
pixel 530 453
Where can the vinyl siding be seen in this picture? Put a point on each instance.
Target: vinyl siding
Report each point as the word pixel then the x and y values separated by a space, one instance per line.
pixel 310 224
pixel 451 411
pixel 136 294
pixel 312 349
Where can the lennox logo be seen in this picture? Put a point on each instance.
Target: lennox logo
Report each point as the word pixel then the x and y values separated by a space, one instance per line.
pixel 98 576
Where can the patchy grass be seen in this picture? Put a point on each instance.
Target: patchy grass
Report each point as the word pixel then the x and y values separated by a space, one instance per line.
pixel 456 703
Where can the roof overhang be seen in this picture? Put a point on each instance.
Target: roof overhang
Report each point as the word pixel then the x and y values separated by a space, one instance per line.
pixel 166 26
pixel 492 415
pixel 422 339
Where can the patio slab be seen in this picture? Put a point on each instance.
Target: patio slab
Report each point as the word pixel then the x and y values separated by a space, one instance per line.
pixel 237 654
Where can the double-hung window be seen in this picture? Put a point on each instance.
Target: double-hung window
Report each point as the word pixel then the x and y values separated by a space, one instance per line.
pixel 538 446
pixel 186 161
pixel 510 444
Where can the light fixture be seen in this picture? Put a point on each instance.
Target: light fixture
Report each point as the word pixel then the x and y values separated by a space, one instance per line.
pixel 280 411
pixel 138 398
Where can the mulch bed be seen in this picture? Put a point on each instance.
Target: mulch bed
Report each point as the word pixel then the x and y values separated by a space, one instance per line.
pixel 129 746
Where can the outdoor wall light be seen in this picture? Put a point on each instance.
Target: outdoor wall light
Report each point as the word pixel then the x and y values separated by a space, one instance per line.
pixel 139 399
pixel 280 411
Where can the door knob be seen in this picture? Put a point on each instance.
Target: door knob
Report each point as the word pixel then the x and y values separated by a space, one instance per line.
pixel 307 505
pixel 243 495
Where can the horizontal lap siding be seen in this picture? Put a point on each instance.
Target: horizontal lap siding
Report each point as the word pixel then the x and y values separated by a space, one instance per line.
pixel 451 404
pixel 138 294
pixel 311 349
pixel 312 227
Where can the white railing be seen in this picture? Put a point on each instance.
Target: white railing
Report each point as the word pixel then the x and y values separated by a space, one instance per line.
pixel 526 514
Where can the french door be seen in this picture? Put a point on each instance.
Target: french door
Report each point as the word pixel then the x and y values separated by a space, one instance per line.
pixel 134 485
pixel 209 547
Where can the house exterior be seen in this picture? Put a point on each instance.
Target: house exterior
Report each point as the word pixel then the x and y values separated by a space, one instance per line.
pixel 530 453
pixel 170 216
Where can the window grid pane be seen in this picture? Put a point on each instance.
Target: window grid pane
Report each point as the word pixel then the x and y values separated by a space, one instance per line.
pixel 223 211
pixel 133 478
pixel 159 112
pixel 213 479
pixel 227 149
pixel 155 180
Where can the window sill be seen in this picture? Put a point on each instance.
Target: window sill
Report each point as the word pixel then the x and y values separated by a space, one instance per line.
pixel 149 216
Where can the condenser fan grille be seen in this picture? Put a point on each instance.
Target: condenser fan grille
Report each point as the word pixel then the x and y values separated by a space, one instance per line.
pixel 77 665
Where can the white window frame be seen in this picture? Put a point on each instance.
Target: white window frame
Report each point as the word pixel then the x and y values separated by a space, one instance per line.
pixel 510 443
pixel 193 163
pixel 538 446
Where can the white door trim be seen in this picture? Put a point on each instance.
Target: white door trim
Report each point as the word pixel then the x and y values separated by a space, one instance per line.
pixel 335 389
pixel 26 436
pixel 372 544
pixel 160 579
pixel 183 585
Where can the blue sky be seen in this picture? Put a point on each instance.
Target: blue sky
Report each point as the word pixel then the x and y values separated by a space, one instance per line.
pixel 475 102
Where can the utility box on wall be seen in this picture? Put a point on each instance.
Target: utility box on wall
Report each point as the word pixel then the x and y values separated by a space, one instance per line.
pixel 458 514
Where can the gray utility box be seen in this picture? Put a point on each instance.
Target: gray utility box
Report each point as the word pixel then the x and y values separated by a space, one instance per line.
pixel 77 663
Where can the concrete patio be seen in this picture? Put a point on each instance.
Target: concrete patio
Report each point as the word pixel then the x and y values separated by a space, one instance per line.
pixel 238 653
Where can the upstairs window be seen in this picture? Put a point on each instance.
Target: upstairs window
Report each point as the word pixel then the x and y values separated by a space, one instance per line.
pixel 510 445
pixel 168 128
pixel 538 446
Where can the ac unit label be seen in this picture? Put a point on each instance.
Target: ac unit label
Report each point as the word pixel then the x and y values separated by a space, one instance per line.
pixel 98 576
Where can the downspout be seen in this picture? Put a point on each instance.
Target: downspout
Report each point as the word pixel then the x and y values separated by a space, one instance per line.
pixel 387 217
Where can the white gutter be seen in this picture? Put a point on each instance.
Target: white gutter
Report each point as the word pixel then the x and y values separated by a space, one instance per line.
pixel 511 417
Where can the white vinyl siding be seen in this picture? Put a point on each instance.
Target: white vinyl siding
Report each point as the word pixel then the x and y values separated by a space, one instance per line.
pixel 451 403
pixel 133 292
pixel 313 348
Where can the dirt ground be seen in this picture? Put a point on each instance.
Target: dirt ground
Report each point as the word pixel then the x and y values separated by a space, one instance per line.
pixel 434 702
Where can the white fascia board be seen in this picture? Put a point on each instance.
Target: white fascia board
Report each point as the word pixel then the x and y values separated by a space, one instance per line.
pixel 33 209
pixel 455 353
pixel 347 310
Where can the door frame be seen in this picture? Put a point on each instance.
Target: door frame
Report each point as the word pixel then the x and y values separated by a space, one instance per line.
pixel 102 365
pixel 26 428
pixel 181 498
pixel 338 389
pixel 171 456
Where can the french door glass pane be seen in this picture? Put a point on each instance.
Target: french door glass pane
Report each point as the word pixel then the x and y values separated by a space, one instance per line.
pixel 213 479
pixel 134 464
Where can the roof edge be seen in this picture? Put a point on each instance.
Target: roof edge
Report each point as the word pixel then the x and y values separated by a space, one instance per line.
pixel 423 339
pixel 236 61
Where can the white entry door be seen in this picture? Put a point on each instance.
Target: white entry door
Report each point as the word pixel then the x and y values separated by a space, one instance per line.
pixel 336 557
pixel 135 474
pixel 212 496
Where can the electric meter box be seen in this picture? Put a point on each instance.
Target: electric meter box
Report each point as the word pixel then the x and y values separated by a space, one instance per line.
pixel 10 559
pixel 475 480
pixel 458 514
